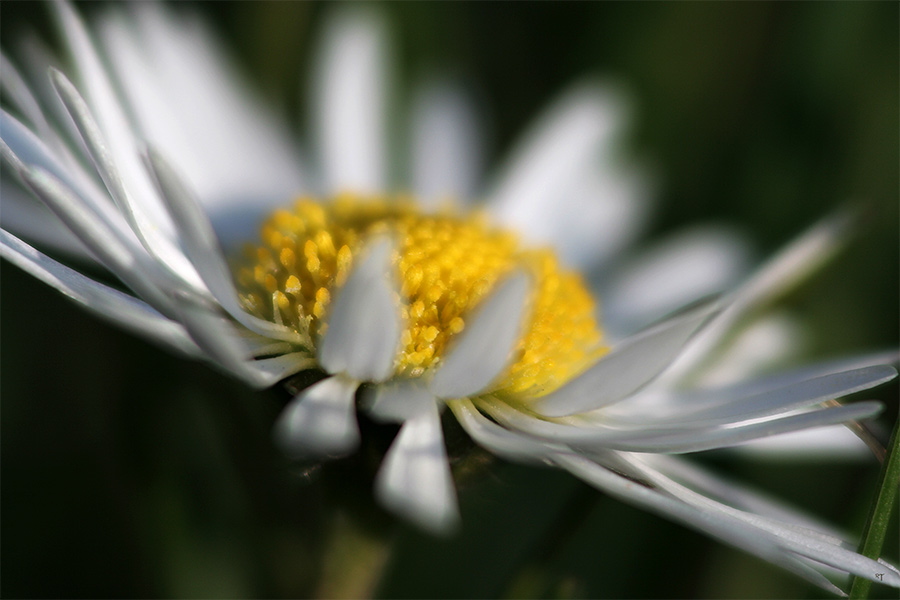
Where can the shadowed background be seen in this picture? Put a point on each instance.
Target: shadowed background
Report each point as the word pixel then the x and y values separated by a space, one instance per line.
pixel 127 472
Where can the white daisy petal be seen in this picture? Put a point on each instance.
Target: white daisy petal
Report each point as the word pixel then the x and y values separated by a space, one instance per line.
pixel 110 248
pixel 781 273
pixel 690 264
pixel 796 395
pixel 630 365
pixel 833 443
pixel 364 324
pixel 414 480
pixel 807 543
pixel 24 216
pixel 674 441
pixel 782 547
pixel 446 154
pixel 202 246
pixel 399 401
pixel 182 88
pixel 149 227
pixel 482 351
pixel 22 147
pixel 496 439
pixel 350 86
pixel 562 146
pixel 111 305
pixel 320 420
pixel 110 115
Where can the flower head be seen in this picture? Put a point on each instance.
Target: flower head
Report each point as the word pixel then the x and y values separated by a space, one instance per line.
pixel 432 307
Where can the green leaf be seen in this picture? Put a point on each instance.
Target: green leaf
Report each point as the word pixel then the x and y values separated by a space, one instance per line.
pixel 880 515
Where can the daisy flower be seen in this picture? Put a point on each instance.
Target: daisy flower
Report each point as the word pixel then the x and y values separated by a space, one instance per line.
pixel 152 162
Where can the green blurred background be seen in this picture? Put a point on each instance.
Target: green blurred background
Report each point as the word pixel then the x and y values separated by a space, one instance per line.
pixel 127 472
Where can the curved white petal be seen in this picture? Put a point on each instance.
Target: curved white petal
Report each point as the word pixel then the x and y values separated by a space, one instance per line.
pixel 202 247
pixel 835 443
pixel 781 273
pixel 149 225
pixel 189 101
pixel 789 547
pixel 414 480
pixel 364 324
pixel 482 351
pixel 551 177
pixel 320 420
pixel 113 250
pixel 112 121
pixel 110 304
pixel 502 442
pixel 25 216
pixel 350 83
pixel 446 152
pixel 630 365
pixel 681 269
pixel 400 400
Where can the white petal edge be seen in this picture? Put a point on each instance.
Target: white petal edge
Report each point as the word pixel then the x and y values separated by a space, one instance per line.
pixel 786 270
pixel 414 480
pixel 320 420
pixel 446 152
pixel 481 353
pixel 686 266
pixel 109 304
pixel 134 269
pixel 350 88
pixel 568 137
pixel 364 323
pixel 630 365
pixel 202 246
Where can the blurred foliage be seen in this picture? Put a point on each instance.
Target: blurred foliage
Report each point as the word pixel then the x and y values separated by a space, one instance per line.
pixel 128 472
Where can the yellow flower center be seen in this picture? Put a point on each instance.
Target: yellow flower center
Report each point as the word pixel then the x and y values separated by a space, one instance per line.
pixel 446 265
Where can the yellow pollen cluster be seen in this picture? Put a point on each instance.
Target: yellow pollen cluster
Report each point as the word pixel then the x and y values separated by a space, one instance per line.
pixel 446 265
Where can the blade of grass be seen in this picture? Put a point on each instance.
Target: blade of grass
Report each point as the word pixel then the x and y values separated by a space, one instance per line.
pixel 880 514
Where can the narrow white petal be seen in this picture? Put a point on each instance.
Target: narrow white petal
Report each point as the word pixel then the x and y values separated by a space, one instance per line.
pixel 793 396
pixel 350 86
pixel 681 269
pixel 481 353
pixel 182 88
pixel 833 443
pixel 414 480
pixel 678 441
pixel 110 115
pixel 215 335
pixel 773 339
pixel 596 215
pixel 149 226
pixel 25 216
pixel 502 442
pixel 726 526
pixel 21 147
pixel 794 538
pixel 135 270
pixel 629 366
pixel 364 324
pixel 576 131
pixel 783 272
pixel 717 487
pixel 400 400
pixel 446 152
pixel 109 304
pixel 202 246
pixel 320 420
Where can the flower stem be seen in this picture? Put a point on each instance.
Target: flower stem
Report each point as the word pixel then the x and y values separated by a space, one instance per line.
pixel 880 515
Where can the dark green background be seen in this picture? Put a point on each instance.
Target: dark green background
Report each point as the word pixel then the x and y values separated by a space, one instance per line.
pixel 127 472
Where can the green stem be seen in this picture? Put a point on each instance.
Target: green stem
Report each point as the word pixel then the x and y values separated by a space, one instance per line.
pixel 880 515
